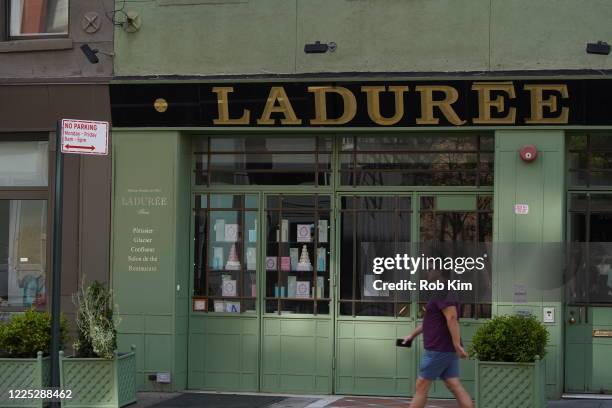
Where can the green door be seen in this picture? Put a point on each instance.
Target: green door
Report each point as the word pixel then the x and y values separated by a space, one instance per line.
pixel 588 315
pixel 459 222
pixel 297 325
pixel 223 317
pixel 368 322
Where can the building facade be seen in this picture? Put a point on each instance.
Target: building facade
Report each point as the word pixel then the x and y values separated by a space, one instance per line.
pixel 44 77
pixel 256 173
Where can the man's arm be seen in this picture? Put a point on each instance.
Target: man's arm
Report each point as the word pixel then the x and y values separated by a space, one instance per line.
pixel 450 313
pixel 415 333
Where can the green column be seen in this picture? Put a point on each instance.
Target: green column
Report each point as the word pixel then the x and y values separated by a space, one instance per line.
pixel 519 283
pixel 151 251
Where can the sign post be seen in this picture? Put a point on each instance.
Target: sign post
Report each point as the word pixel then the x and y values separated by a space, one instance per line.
pixel 76 137
pixel 57 258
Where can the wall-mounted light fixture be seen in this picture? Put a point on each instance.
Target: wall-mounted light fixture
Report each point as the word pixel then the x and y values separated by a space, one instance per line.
pixel 91 53
pixel 600 48
pixel 319 48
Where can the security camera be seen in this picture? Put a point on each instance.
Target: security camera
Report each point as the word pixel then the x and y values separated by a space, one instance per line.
pixel 90 53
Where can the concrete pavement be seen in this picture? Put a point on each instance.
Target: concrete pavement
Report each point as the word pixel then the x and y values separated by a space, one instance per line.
pixel 261 400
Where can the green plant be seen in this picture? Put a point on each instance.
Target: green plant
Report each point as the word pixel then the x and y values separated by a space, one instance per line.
pixel 27 333
pixel 97 336
pixel 515 339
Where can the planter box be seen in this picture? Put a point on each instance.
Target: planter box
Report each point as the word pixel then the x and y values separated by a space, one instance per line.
pixel 510 385
pixel 23 374
pixel 98 382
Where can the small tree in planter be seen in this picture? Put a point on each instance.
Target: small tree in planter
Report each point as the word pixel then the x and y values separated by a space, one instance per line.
pixel 510 371
pixel 24 356
pixel 97 374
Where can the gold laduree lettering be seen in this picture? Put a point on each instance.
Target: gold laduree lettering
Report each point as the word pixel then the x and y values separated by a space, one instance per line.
pixel 373 97
pixel 445 105
pixel 486 104
pixel 278 95
pixel 538 103
pixel 223 107
pixel 320 93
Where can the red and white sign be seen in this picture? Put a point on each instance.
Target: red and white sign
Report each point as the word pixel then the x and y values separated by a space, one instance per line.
pixel 521 209
pixel 84 137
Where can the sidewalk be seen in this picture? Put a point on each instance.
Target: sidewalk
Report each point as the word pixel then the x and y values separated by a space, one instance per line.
pixel 261 400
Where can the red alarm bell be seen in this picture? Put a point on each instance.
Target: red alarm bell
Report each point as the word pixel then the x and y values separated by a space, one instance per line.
pixel 528 153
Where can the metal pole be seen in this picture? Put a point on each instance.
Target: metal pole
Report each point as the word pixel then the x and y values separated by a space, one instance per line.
pixel 57 259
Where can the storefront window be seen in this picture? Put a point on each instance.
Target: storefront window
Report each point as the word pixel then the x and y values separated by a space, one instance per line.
pixel 36 18
pixel 23 164
pixel 225 253
pixel 372 226
pixel 23 248
pixel 266 160
pixel 298 254
pixel 417 160
pixel 590 160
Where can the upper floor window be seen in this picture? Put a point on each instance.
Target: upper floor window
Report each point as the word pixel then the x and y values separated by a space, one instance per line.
pixel 36 18
pixel 24 164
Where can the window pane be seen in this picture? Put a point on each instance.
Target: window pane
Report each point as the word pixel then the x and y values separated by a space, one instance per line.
pixel 24 164
pixel 298 254
pixel 590 160
pixel 601 161
pixel 372 226
pixel 36 17
pixel 417 160
pixel 23 243
pixel 457 233
pixel 225 252
pixel 420 141
pixel 268 160
pixel 601 142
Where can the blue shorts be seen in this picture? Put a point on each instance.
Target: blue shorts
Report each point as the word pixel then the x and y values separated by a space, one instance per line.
pixel 438 364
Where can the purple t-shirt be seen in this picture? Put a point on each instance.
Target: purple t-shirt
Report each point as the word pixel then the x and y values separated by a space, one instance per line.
pixel 436 335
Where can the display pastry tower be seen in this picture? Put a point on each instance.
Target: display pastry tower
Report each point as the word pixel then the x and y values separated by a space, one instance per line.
pixel 304 262
pixel 233 264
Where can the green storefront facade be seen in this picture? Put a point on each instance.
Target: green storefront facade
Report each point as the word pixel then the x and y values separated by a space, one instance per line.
pixel 243 212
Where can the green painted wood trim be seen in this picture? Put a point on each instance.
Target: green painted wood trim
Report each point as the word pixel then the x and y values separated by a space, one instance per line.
pixel 542 185
pixel 455 203
pixel 519 382
pixel 23 374
pixel 95 381
pixel 360 77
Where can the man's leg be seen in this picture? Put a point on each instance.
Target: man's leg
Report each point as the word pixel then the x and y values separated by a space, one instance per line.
pixel 420 395
pixel 462 396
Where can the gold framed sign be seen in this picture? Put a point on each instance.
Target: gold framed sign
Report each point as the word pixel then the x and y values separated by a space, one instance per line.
pixel 200 304
pixel 602 333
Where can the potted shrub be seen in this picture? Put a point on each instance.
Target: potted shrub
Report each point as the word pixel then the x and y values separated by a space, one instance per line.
pixel 97 374
pixel 509 365
pixel 24 356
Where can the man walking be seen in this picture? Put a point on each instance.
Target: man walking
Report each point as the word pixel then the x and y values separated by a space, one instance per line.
pixel 443 349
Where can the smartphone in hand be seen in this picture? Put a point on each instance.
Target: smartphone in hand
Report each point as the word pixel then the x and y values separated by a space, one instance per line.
pixel 400 343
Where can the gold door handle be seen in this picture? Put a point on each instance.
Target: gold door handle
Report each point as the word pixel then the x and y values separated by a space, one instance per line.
pixel 572 319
